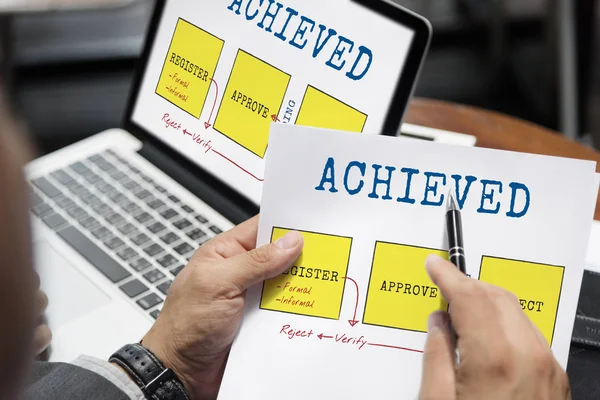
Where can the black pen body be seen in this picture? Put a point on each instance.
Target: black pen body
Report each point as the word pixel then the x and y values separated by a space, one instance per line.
pixel 456 250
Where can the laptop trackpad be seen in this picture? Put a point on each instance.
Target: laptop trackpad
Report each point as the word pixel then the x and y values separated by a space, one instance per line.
pixel 71 294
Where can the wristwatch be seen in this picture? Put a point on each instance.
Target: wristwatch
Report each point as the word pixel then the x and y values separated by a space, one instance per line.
pixel 155 380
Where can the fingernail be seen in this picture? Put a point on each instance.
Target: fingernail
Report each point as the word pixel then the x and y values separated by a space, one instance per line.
pixel 432 259
pixel 437 321
pixel 289 241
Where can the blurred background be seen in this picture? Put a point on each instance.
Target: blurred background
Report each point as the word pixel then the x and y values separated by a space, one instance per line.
pixel 70 71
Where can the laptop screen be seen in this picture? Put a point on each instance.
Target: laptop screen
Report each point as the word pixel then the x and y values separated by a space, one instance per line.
pixel 220 72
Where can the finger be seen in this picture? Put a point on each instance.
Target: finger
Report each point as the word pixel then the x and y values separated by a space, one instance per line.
pixel 438 380
pixel 444 275
pixel 265 262
pixel 42 338
pixel 244 233
pixel 41 302
pixel 238 240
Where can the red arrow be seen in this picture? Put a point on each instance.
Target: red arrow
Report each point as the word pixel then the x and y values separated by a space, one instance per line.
pixel 321 336
pixel 274 118
pixel 207 124
pixel 353 321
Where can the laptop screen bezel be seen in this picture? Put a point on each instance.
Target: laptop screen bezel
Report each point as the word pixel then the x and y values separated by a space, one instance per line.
pixel 395 115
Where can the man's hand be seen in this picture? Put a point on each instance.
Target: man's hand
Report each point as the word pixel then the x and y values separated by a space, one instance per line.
pixel 42 335
pixel 204 308
pixel 502 353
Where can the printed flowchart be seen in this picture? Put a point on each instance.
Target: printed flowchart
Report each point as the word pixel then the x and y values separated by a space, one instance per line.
pixel 254 94
pixel 253 97
pixel 190 64
pixel 399 293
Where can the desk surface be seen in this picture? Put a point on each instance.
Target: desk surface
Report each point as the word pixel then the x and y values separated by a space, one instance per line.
pixel 498 131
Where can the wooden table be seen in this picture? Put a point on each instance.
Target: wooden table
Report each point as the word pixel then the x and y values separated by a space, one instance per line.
pixel 498 131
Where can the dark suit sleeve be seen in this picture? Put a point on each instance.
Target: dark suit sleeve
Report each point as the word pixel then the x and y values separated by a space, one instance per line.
pixel 56 381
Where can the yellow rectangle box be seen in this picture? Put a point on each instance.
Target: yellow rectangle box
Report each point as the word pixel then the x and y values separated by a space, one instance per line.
pixel 400 293
pixel 320 110
pixel 254 94
pixel 537 286
pixel 314 285
pixel 189 67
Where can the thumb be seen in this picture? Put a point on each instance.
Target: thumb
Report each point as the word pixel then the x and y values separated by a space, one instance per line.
pixel 266 262
pixel 438 381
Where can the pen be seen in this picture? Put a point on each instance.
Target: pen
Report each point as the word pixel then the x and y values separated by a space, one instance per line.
pixel 456 250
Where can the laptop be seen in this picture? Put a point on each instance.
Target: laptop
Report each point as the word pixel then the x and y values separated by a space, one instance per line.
pixel 117 216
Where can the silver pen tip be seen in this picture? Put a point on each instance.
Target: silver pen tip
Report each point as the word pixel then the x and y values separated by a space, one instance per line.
pixel 451 202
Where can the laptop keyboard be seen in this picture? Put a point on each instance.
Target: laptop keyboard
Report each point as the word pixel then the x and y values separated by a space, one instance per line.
pixel 125 224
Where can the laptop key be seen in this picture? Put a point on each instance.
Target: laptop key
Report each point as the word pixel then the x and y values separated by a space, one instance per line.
pixel 114 243
pixel 183 248
pixel 142 194
pixel 130 207
pixel 215 230
pixel 117 175
pixel 174 199
pixel 169 213
pixel 130 185
pixel 91 199
pixel 127 254
pixel 154 314
pixel 96 158
pixel 106 166
pixel 80 168
pixel 182 224
pixel 54 221
pixel 34 199
pixel 89 223
pixel 196 234
pixel 153 276
pixel 153 250
pixel 127 229
pixel 62 177
pixel 82 217
pixel 201 219
pixel 164 287
pixel 140 264
pixel 94 254
pixel 75 211
pixel 170 238
pixel 101 208
pixel 143 217
pixel 140 239
pixel 187 209
pixel 167 261
pixel 42 210
pixel 45 186
pixel 117 197
pixel 134 288
pixel 114 218
pixel 101 232
pixel 92 178
pixel 65 202
pixel 156 227
pixel 177 270
pixel 107 188
pixel 155 204
pixel 149 301
pixel 160 188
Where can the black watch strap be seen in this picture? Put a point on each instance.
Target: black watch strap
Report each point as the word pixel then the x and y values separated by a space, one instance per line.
pixel 155 380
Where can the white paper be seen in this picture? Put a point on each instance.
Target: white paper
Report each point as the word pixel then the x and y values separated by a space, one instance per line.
pixel 592 259
pixel 385 362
